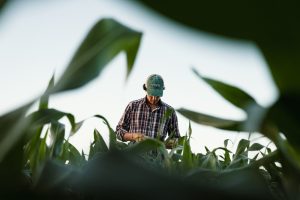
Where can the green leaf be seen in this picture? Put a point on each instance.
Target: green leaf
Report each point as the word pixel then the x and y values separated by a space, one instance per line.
pixel 190 130
pixel 76 127
pixel 187 158
pixel 241 148
pixel 58 136
pixel 285 115
pixel 291 154
pixel 44 100
pixel 112 134
pixel 254 158
pixel 256 113
pixel 256 147
pixel 99 145
pixel 172 152
pixel 210 120
pixel 231 93
pixel 227 159
pixel 144 146
pixel 258 22
pixel 105 40
pixel 221 148
pixel 210 161
pixel 75 157
pixel 13 127
pixel 45 116
pixel 255 119
pixel 43 150
pixel 2 3
pixel 206 149
pixel 226 142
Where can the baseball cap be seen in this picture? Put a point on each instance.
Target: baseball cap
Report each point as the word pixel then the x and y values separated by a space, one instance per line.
pixel 155 85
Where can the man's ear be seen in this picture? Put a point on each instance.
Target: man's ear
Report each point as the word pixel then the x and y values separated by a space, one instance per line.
pixel 144 87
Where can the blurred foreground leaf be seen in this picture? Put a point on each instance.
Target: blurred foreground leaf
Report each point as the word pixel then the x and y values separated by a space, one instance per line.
pixel 210 120
pixel 105 40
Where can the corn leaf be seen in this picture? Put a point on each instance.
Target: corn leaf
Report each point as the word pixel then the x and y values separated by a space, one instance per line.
pixel 104 41
pixel 58 135
pixel 231 93
pixel 210 120
pixel 256 147
pixel 144 146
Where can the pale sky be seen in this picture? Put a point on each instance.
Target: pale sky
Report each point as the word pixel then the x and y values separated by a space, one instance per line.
pixel 38 38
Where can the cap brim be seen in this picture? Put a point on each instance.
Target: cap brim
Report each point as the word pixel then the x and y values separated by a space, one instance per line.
pixel 155 92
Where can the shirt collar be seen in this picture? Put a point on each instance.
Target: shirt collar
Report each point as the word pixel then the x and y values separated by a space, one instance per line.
pixel 159 104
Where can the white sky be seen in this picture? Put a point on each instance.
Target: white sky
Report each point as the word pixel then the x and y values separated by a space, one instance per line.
pixel 38 38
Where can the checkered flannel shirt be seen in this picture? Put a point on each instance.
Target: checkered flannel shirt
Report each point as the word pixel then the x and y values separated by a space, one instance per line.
pixel 139 118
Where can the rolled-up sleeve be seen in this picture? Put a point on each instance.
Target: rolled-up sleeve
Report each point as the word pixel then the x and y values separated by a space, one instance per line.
pixel 173 126
pixel 124 123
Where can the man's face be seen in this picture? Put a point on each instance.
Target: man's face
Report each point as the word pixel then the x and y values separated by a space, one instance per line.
pixel 153 99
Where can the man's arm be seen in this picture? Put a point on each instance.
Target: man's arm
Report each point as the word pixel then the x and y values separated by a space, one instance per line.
pixel 124 123
pixel 123 127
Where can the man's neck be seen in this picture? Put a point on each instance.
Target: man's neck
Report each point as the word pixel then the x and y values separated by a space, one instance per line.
pixel 152 106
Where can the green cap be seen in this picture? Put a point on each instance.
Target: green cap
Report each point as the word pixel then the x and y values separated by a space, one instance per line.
pixel 155 85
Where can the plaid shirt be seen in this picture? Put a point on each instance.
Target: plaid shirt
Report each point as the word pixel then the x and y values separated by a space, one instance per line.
pixel 139 118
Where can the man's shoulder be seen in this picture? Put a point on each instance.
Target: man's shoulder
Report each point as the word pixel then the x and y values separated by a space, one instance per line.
pixel 137 101
pixel 164 104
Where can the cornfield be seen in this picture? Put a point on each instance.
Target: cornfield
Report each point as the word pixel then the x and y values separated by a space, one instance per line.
pixel 38 161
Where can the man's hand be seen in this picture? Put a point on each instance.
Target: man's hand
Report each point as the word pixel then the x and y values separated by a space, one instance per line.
pixel 170 144
pixel 134 137
pixel 138 137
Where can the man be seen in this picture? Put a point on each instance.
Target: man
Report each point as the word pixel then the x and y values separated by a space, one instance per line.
pixel 149 116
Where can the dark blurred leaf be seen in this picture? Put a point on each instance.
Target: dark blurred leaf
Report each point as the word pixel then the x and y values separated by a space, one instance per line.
pixel 210 120
pixel 290 154
pixel 46 116
pixel 256 147
pixel 98 146
pixel 105 40
pixel 248 20
pixel 99 142
pixel 206 149
pixel 31 155
pixel 283 61
pixel 277 35
pixel 245 182
pixel 227 159
pixel 58 136
pixel 74 157
pixel 76 127
pixel 254 158
pixel 189 130
pixel 239 98
pixel 144 146
pixel 55 179
pixel 13 127
pixel 187 157
pixel 2 3
pixel 44 100
pixel 256 116
pixel 242 147
pixel 231 93
pixel 112 134
pixel 285 114
pixel 210 161
pixel 39 153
